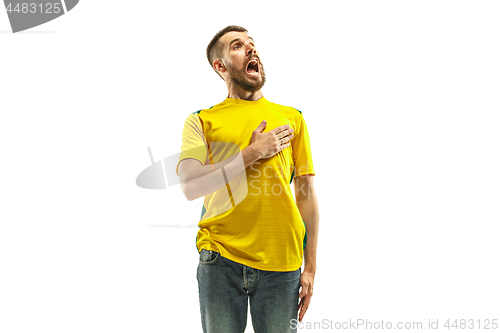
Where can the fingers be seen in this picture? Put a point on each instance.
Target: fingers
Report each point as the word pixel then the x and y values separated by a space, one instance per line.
pixel 303 291
pixel 304 305
pixel 305 295
pixel 283 146
pixel 261 126
pixel 283 143
pixel 285 139
pixel 280 129
pixel 285 133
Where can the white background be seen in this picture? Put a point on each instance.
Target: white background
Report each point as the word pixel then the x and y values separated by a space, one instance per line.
pixel 401 99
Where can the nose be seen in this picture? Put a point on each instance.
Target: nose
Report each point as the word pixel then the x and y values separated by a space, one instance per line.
pixel 251 50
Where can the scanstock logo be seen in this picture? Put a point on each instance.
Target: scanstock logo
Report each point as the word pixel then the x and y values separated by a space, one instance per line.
pixel 26 14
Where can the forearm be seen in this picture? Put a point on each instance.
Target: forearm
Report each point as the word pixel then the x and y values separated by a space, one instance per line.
pixel 207 179
pixel 310 214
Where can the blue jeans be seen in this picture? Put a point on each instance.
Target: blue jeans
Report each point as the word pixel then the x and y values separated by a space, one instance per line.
pixel 225 286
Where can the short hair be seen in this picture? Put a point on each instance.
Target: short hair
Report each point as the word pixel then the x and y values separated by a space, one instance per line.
pixel 214 48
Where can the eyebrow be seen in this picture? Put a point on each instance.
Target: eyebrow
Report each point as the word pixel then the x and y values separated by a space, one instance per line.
pixel 237 39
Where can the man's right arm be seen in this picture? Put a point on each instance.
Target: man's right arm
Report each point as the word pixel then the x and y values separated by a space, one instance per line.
pixel 198 180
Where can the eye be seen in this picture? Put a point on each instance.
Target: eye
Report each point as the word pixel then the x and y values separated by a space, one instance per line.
pixel 236 45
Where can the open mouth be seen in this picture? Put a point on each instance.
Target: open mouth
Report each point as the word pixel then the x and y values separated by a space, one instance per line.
pixel 253 67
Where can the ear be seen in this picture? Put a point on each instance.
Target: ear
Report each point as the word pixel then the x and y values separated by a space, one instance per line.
pixel 219 65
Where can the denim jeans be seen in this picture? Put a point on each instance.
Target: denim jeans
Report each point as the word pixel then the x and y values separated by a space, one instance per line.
pixel 225 287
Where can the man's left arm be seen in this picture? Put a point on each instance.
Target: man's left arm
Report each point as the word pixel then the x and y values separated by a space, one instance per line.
pixel 307 202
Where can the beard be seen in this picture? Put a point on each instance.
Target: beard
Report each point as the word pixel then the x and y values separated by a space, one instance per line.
pixel 240 77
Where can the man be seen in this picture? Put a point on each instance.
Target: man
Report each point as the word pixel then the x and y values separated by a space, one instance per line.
pixel 253 236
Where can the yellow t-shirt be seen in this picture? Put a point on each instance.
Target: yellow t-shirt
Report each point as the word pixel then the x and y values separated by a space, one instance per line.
pixel 254 220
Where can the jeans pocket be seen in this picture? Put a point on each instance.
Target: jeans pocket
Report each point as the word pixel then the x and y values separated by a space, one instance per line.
pixel 208 257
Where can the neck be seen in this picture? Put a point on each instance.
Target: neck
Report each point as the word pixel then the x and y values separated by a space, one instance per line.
pixel 244 94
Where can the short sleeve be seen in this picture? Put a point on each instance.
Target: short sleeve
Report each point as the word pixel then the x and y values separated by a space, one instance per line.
pixel 193 140
pixel 301 147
